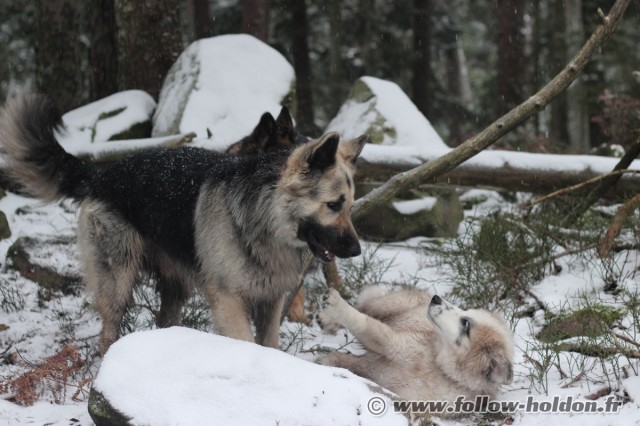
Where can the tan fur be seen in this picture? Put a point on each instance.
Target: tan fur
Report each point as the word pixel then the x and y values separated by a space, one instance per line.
pixel 415 356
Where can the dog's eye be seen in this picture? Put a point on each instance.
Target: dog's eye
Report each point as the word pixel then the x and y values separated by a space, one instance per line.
pixel 466 324
pixel 336 206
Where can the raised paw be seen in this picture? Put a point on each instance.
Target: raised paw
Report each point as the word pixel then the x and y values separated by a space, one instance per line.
pixel 328 318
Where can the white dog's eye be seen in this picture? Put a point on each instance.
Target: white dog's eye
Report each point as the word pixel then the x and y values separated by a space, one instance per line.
pixel 466 324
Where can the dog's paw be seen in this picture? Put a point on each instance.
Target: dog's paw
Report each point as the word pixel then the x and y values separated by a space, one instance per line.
pixel 332 298
pixel 328 318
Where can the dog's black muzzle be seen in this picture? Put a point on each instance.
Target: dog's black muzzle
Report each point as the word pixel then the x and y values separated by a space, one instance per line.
pixel 328 242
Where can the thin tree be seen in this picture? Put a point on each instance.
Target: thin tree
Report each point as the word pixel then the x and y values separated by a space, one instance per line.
pixel 422 74
pixel 302 65
pixel 336 66
pixel 255 18
pixel 103 57
pixel 510 66
pixel 201 16
pixel 59 53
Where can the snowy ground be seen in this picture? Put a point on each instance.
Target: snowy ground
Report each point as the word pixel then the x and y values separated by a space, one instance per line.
pixel 40 328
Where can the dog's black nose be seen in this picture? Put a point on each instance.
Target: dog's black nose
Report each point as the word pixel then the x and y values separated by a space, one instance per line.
pixel 355 250
pixel 436 300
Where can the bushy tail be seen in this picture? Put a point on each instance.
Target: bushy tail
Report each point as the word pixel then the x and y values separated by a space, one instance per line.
pixel 35 158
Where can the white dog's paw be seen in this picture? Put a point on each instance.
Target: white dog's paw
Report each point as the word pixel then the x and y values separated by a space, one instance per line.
pixel 329 317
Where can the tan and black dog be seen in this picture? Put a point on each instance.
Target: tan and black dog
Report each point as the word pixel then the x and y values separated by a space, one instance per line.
pixel 238 227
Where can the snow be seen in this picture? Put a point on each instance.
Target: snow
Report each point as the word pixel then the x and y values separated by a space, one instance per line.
pixel 236 79
pixel 183 376
pixel 95 123
pixel 409 207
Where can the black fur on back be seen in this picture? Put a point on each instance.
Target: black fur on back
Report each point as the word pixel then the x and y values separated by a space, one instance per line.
pixel 157 190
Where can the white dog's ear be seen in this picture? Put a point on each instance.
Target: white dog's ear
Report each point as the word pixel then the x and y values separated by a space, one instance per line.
pixel 500 371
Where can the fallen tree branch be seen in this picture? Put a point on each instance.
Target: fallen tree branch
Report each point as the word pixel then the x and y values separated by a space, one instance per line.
pixel 607 183
pixel 608 241
pixel 597 351
pixel 500 127
pixel 581 185
pixel 509 177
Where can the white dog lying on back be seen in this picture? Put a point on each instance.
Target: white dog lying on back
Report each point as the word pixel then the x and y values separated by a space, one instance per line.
pixel 420 346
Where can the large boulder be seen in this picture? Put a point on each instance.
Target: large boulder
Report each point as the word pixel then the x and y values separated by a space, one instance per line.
pixel 183 376
pixel 396 128
pixel 382 110
pixel 123 115
pixel 220 86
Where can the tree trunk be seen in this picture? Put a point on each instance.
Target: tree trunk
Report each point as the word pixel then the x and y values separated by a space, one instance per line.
pixel 422 75
pixel 555 60
pixel 506 177
pixel 577 118
pixel 255 18
pixel 201 19
pixel 365 34
pixel 149 41
pixel 59 53
pixel 302 65
pixel 103 57
pixel 510 72
pixel 336 69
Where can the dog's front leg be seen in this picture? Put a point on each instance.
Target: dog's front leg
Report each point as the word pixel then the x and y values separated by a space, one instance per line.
pixel 230 316
pixel 374 335
pixel 267 321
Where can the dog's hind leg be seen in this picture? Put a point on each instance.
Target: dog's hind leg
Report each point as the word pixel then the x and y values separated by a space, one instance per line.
pixel 266 317
pixel 111 258
pixel 230 314
pixel 373 334
pixel 172 297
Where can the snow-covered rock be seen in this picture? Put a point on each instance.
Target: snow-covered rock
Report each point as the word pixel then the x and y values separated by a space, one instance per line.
pixel 220 87
pixel 123 115
pixel 182 376
pixel 382 110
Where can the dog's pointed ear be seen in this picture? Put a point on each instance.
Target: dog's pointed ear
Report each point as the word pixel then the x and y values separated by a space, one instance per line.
pixel 500 371
pixel 350 150
pixel 323 155
pixel 284 121
pixel 262 132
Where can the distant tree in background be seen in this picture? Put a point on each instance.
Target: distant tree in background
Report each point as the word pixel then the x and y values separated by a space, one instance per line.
pixel 201 14
pixel 149 40
pixel 256 18
pixel 301 62
pixel 510 73
pixel 59 52
pixel 103 55
pixel 421 81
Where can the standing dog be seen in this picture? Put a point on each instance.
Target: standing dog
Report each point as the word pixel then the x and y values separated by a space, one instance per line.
pixel 238 227
pixel 422 347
